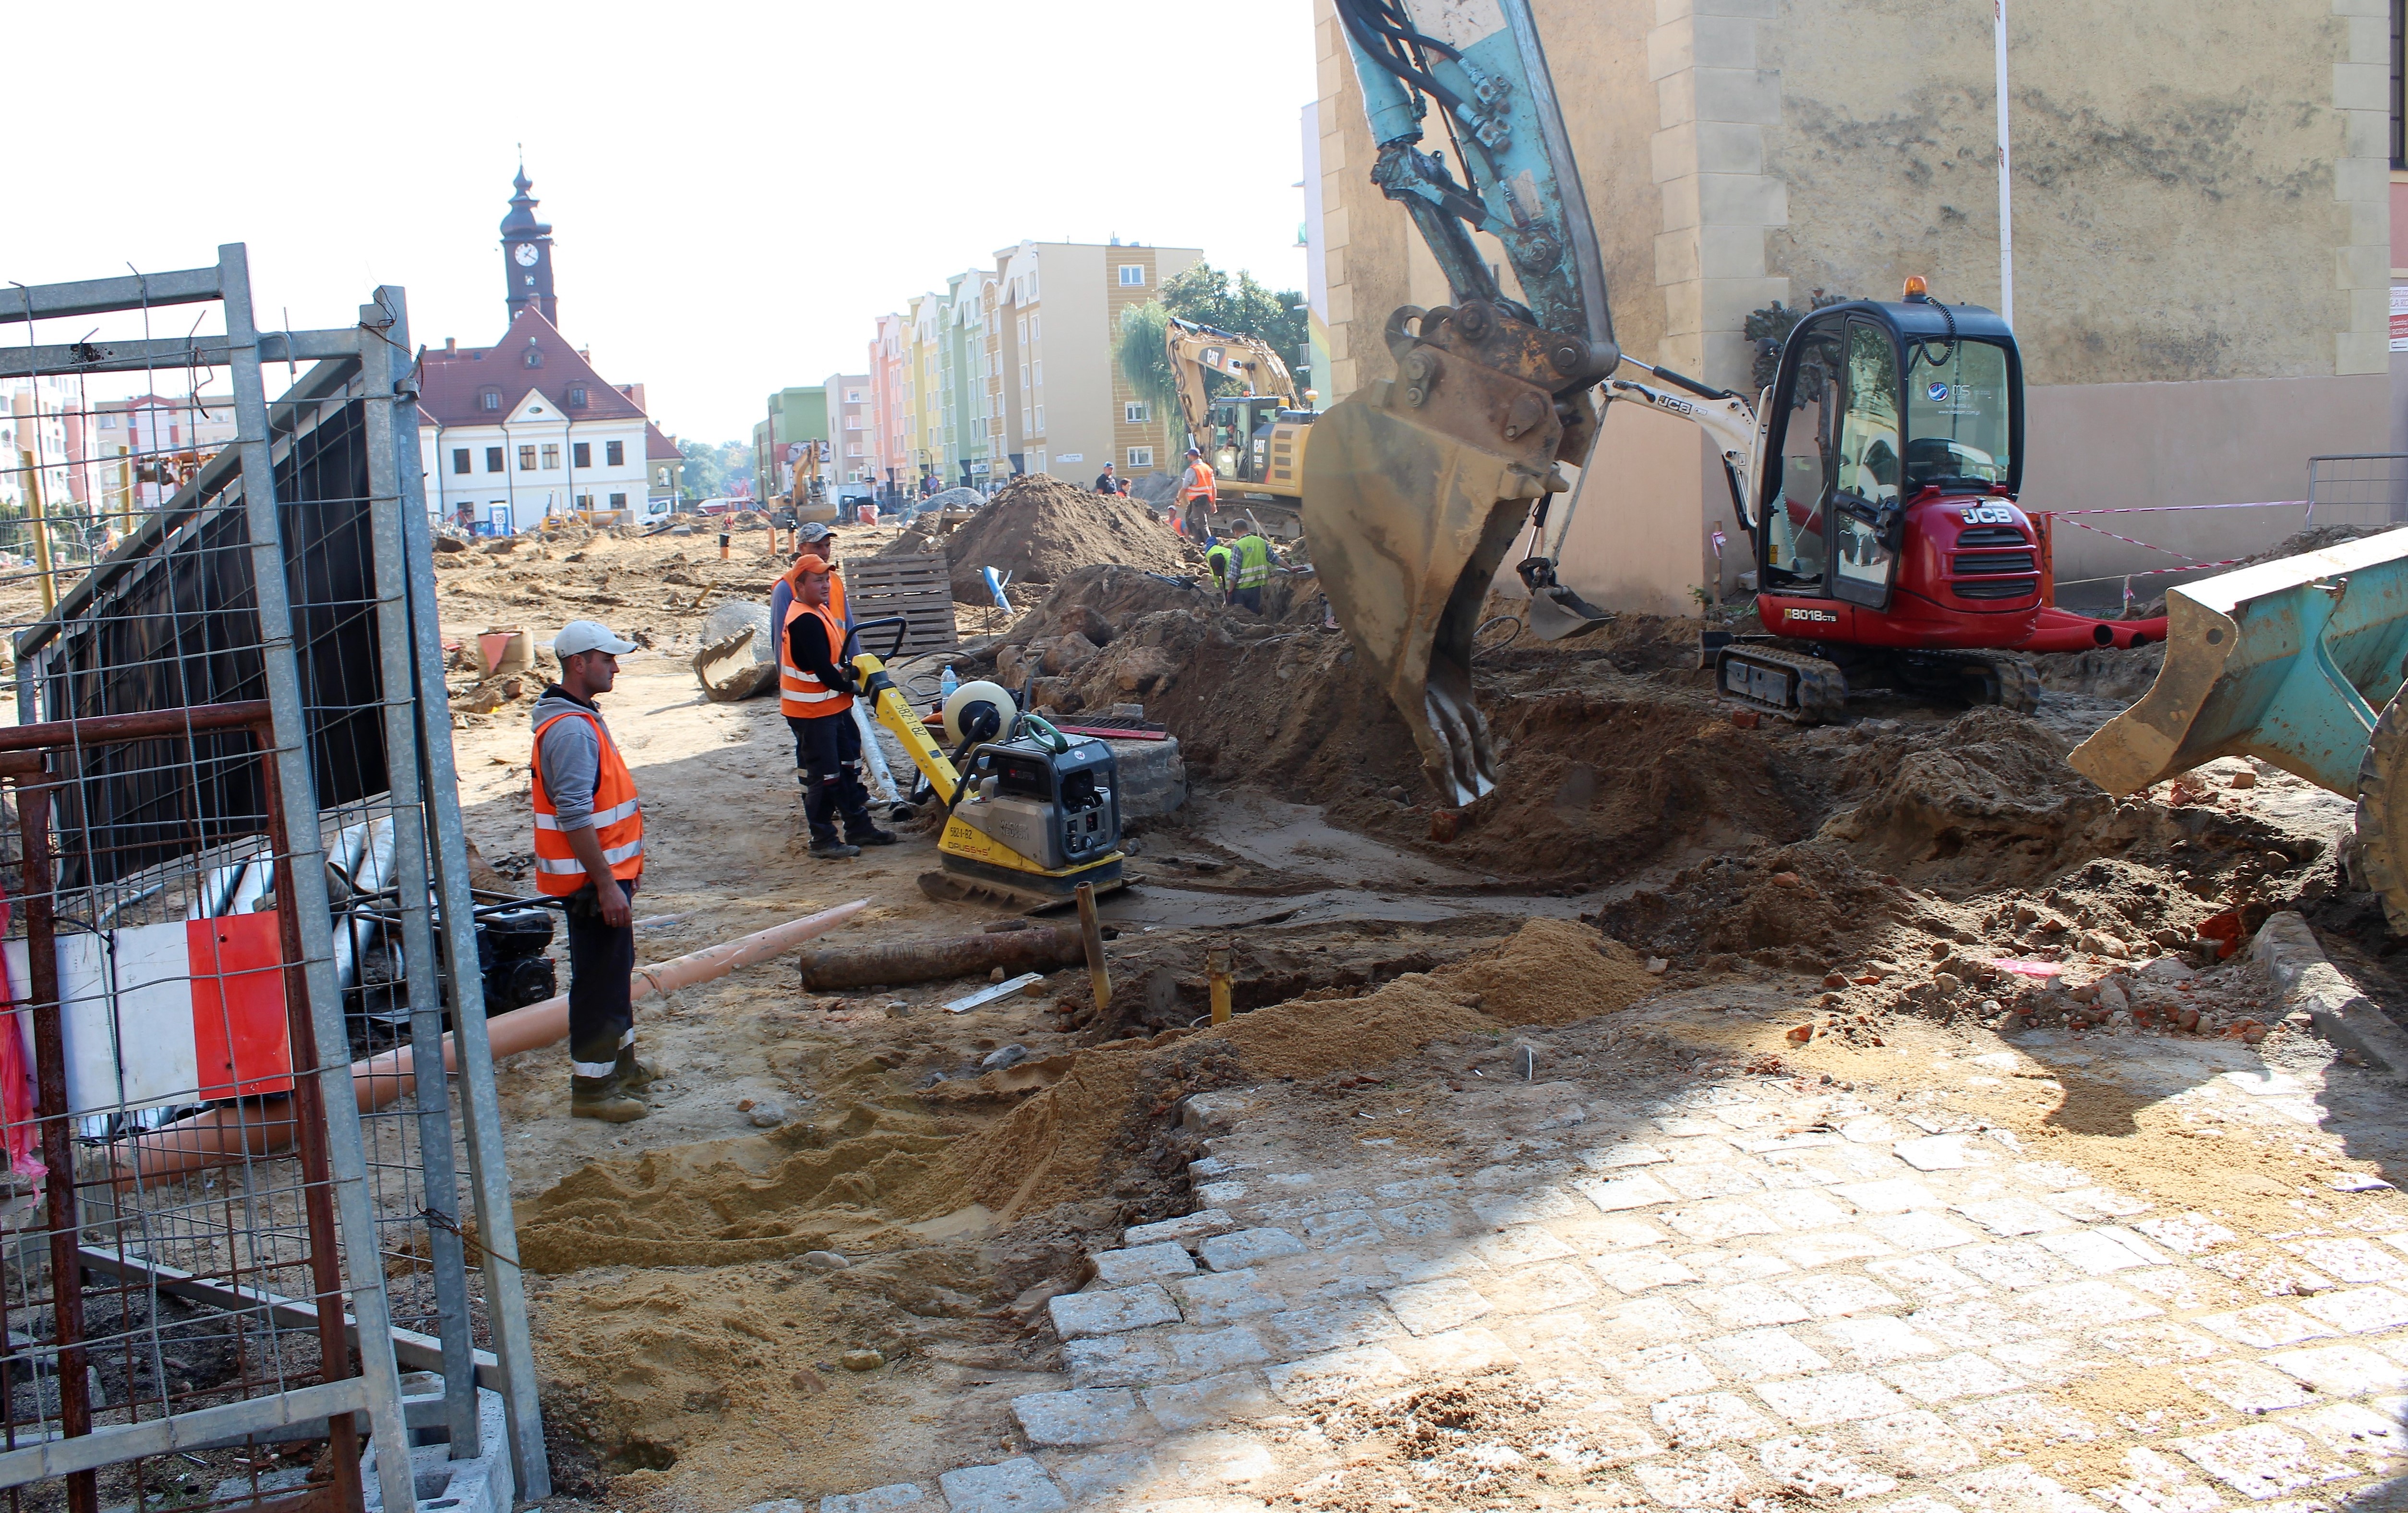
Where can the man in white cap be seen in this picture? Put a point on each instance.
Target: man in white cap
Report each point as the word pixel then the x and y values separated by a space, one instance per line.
pixel 589 853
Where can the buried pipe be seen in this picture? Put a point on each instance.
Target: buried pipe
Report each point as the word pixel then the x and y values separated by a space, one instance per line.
pixel 225 1135
pixel 1040 948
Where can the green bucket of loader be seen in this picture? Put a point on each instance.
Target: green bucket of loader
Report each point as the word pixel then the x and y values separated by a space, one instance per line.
pixel 2289 661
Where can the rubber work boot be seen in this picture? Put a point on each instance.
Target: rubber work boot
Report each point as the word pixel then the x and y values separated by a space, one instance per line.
pixel 834 850
pixel 633 1075
pixel 602 1098
pixel 867 833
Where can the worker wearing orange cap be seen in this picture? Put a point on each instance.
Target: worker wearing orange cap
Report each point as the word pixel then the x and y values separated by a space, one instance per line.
pixel 815 691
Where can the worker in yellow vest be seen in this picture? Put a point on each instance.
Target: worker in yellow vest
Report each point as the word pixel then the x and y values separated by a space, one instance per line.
pixel 1253 561
pixel 1216 562
pixel 589 853
pixel 815 689
pixel 1200 493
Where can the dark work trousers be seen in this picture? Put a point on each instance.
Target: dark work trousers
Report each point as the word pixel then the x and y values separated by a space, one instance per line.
pixel 601 962
pixel 828 763
pixel 1248 598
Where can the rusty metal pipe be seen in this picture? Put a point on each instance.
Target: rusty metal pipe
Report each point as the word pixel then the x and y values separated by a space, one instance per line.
pixel 1042 948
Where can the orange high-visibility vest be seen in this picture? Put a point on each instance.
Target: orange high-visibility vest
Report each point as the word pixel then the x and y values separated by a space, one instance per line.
pixel 618 819
pixel 801 696
pixel 1199 483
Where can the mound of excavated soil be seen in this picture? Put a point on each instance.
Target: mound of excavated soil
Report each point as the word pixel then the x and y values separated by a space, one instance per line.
pixel 1101 1125
pixel 1800 906
pixel 1992 800
pixel 1040 528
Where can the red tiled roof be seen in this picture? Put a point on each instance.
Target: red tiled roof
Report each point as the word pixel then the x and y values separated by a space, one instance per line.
pixel 657 445
pixel 450 381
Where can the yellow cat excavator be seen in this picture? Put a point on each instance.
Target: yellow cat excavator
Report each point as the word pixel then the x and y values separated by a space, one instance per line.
pixel 1254 440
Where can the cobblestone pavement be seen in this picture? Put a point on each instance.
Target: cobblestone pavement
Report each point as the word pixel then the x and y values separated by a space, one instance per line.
pixel 1735 1291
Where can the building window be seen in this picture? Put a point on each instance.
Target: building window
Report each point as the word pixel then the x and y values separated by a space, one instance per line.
pixel 1037 370
pixel 852 449
pixel 492 459
pixel 1140 456
pixel 615 453
pixel 459 459
pixel 1034 335
pixel 1132 277
pixel 535 357
pixel 585 502
pixel 550 455
pixel 490 400
pixel 617 501
pixel 853 397
pixel 576 398
pixel 582 453
pixel 526 459
pixel 1022 327
pixel 109 423
pixel 1135 411
pixel 1040 417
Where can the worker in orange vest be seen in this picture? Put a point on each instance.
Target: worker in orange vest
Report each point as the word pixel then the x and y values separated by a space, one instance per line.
pixel 1200 494
pixel 589 853
pixel 815 689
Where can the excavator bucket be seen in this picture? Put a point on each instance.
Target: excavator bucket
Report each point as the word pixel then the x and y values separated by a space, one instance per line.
pixel 1409 525
pixel 2289 661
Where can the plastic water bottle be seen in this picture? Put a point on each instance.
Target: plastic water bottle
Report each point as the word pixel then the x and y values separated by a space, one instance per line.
pixel 946 684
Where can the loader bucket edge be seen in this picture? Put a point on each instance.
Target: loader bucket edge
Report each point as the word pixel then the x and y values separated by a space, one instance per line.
pixel 2286 660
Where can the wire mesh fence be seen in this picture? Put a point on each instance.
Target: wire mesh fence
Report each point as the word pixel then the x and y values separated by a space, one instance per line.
pixel 240 1194
pixel 2359 489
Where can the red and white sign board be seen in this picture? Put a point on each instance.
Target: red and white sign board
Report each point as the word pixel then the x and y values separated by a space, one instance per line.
pixel 187 1012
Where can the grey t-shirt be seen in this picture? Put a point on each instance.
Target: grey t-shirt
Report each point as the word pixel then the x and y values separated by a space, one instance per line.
pixel 571 757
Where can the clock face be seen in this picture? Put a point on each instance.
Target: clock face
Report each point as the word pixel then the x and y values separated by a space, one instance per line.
pixel 525 254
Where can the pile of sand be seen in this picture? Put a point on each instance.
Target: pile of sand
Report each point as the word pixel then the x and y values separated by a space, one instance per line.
pixel 1073 1139
pixel 1040 528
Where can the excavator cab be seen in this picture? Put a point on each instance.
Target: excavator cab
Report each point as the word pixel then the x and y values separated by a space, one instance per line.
pixel 1241 431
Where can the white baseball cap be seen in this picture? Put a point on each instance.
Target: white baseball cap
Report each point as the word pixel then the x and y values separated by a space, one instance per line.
pixel 588 636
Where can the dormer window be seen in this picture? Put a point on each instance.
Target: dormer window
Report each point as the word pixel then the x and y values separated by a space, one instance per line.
pixel 534 356
pixel 576 398
pixel 490 400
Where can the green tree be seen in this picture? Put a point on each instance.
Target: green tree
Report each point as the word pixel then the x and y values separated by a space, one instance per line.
pixel 713 469
pixel 1208 296
pixel 1147 368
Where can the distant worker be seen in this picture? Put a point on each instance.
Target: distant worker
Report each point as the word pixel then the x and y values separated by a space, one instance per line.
pixel 589 852
pixel 1216 562
pixel 815 691
pixel 1106 484
pixel 1254 563
pixel 818 540
pixel 1200 494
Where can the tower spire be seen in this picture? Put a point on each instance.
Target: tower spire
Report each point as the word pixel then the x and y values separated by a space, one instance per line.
pixel 527 253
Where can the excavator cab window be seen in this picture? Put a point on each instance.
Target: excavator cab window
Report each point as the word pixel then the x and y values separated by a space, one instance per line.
pixel 1865 508
pixel 1959 416
pixel 1792 539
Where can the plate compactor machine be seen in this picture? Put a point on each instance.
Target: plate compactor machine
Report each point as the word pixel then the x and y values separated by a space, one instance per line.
pixel 1030 813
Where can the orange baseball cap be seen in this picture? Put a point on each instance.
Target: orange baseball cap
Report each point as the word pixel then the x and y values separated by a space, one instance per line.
pixel 807 563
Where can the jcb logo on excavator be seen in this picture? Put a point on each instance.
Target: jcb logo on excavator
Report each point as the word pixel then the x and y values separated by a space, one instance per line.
pixel 1988 515
pixel 1820 616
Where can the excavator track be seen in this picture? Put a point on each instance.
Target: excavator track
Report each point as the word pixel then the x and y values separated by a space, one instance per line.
pixel 1794 685
pixel 1976 677
pixel 2383 814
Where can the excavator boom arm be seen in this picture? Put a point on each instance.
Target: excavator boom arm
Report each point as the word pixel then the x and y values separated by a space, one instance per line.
pixel 1194 349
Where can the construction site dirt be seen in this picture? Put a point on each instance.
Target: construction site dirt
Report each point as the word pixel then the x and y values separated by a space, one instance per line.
pixel 826 1261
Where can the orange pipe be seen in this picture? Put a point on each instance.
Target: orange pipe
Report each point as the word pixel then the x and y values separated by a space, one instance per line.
pixel 224 1135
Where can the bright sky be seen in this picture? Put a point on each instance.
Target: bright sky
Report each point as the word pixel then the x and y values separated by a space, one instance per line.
pixel 735 191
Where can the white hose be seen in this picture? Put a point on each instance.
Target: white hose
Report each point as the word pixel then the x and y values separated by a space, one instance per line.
pixel 882 783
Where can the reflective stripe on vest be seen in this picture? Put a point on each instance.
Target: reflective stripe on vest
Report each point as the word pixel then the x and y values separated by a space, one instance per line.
pixel 1254 562
pixel 801 694
pixel 618 817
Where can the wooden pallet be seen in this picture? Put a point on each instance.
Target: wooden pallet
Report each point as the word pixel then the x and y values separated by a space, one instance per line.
pixel 920 588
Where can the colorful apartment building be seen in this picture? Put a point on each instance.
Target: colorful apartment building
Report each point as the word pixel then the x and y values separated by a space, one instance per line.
pixel 1064 406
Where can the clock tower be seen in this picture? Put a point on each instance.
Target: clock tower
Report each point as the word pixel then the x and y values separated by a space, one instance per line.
pixel 526 254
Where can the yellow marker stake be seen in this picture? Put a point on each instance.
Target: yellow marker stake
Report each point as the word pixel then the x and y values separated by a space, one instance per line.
pixel 1099 977
pixel 1216 969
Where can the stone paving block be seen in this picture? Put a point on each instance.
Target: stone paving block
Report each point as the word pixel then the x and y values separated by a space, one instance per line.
pixel 2089 1304
pixel 1722 1268
pixel 2260 1460
pixel 1782 1144
pixel 1628 1153
pixel 1414 1190
pixel 1710 1418
pixel 1604 1231
pixel 1082 1416
pixel 1710 1481
pixel 1749 1305
pixel 1288 1209
pixel 1943 1153
pixel 1225 1297
pixel 2342 1370
pixel 2009 1217
pixel 1154 1263
pixel 2092 1252
pixel 1335 1373
pixel 1665 1371
pixel 1192 1227
pixel 2359 1310
pixel 1962 1374
pixel 1616 1194
pixel 2015 1266
pixel 1920 1231
pixel 2266 1325
pixel 1209 1400
pixel 1649 1320
pixel 1428 1217
pixel 2348 1429
pixel 1541 1288
pixel 1097 1475
pixel 1874 1130
pixel 1116 1360
pixel 1828 1247
pixel 1241 1248
pixel 2052 1176
pixel 2182 1288
pixel 1830 1294
pixel 1877 1339
pixel 1426 1308
pixel 1215 1195
pixel 1079 1314
pixel 2245 1388
pixel 1528 1207
pixel 2050 1361
pixel 2014 1489
pixel 1331 1326
pixel 1928 1279
pixel 1814 1466
pixel 1709 1179
pixel 2018 1416
pixel 1424 1265
pixel 1758 1354
pixel 2157 1344
pixel 1804 1212
pixel 2188 1235
pixel 1219 1351
pixel 1594 1439
pixel 1723 1219
pixel 1792 1171
pixel 1916 1443
pixel 2091 1205
pixel 1019 1485
pixel 1455 1352
pixel 1972 1324
pixel 877 1499
pixel 1346 1229
pixel 1636 1271
pixel 2353 1261
pixel 1897 1195
pixel 1833 1397
pixel 1520 1245
pixel 2267 1276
